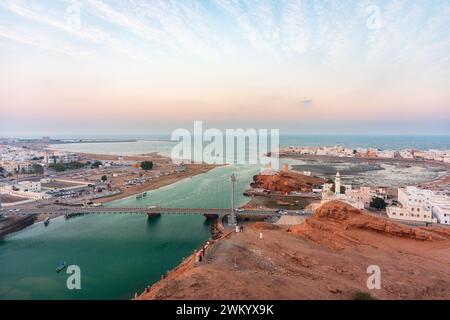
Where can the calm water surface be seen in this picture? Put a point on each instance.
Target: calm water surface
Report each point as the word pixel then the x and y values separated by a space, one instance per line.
pixel 118 254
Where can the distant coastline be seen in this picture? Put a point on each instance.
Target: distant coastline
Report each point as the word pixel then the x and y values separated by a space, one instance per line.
pixel 108 141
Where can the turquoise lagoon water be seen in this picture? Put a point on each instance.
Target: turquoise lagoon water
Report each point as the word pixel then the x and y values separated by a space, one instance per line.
pixel 118 254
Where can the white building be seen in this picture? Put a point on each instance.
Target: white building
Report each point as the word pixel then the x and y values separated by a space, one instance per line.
pixel 328 195
pixel 62 157
pixel 14 166
pixel 337 183
pixel 31 186
pixel 406 154
pixel 440 207
pixel 9 165
pixel 414 205
pixel 363 195
pixel 23 193
pixel 386 154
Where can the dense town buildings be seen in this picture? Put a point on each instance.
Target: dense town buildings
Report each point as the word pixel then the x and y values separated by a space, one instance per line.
pixel 343 152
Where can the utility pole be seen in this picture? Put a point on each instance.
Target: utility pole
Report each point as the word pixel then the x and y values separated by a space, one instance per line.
pixel 232 218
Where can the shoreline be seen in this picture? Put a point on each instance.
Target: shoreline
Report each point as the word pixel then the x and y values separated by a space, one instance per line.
pixel 356 159
pixel 438 182
pixel 21 223
pixel 191 171
pixel 190 261
pixel 162 181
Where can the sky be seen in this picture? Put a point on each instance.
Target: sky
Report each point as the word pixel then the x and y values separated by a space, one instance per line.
pixel 139 67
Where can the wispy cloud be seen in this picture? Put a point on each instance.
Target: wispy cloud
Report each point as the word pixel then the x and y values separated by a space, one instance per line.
pixel 332 31
pixel 40 40
pixel 59 21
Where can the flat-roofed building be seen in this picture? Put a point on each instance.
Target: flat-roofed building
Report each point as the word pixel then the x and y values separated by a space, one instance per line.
pixel 362 194
pixel 440 207
pixel 414 205
pixel 62 157
pixel 32 186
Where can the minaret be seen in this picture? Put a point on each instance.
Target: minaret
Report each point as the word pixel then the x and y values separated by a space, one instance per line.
pixel 337 184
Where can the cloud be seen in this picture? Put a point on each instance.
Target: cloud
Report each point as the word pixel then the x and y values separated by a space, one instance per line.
pixel 307 102
pixel 332 32
pixel 60 22
pixel 40 40
pixel 167 26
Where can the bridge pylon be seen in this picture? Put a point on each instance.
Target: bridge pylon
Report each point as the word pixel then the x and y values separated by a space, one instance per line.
pixel 232 217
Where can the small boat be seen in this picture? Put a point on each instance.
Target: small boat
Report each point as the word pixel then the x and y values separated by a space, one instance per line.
pixel 139 196
pixel 144 194
pixel 61 267
pixel 47 221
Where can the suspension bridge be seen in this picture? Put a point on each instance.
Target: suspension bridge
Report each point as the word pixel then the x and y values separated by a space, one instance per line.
pixel 232 212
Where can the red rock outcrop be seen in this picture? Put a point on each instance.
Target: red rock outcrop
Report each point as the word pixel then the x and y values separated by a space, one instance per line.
pixel 286 182
pixel 334 219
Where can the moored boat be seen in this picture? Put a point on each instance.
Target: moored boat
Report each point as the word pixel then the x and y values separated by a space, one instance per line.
pixel 61 267
pixel 47 221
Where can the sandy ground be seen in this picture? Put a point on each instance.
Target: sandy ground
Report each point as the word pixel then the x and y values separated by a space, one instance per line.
pixel 297 265
pixel 60 185
pixel 191 170
pixel 142 157
pixel 160 163
pixel 6 198
pixel 441 183
pixel 355 159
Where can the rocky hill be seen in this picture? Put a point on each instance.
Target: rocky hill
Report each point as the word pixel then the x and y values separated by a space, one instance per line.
pixel 326 257
pixel 333 221
pixel 286 181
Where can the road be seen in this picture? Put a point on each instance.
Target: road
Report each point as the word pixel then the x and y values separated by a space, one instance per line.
pixel 154 210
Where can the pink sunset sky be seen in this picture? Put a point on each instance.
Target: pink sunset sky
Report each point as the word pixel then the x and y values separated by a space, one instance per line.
pixel 339 67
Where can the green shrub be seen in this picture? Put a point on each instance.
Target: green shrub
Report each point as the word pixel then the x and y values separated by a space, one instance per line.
pixel 361 295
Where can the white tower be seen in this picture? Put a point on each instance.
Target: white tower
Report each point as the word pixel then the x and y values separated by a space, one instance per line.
pixel 337 184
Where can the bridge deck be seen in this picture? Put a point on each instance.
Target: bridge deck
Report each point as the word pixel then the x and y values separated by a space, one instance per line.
pixel 154 210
